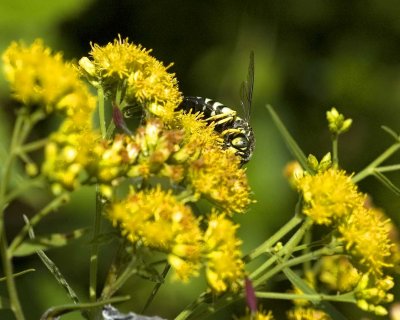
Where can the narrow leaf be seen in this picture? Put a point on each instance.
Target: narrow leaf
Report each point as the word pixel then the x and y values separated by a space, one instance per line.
pixel 305 288
pixel 391 132
pixel 55 312
pixel 53 268
pixel 46 242
pixel 290 142
pixel 18 274
pixel 386 182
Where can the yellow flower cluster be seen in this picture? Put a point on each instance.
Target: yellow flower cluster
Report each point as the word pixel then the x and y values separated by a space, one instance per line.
pixel 39 77
pixel 300 313
pixel 224 265
pixel 331 198
pixel 338 274
pixel 259 315
pixel 179 150
pixel 158 220
pixel 67 155
pixel 366 237
pixel 329 195
pixel 143 79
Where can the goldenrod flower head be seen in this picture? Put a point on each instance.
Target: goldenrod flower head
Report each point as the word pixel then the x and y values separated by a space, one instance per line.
pixel 218 176
pixel 259 315
pixel 366 237
pixel 299 313
pixel 329 195
pixel 337 123
pixel 37 76
pixel 338 274
pixel 373 290
pixel 146 80
pixel 159 221
pixel 67 154
pixel 198 134
pixel 224 267
pixel 113 158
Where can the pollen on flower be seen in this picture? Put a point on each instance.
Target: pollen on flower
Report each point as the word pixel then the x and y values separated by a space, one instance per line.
pixel 366 237
pixel 329 195
pixel 224 267
pixel 150 216
pixel 300 313
pixel 39 77
pixel 146 79
pixel 217 175
pixel 259 315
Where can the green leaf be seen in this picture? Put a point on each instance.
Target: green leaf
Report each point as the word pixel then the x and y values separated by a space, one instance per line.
pixel 391 132
pixel 56 312
pixel 51 241
pixel 386 182
pixel 18 274
pixel 290 142
pixel 305 288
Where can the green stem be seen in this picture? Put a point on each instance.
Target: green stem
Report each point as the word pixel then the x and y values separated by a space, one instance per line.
pixel 374 164
pixel 102 117
pixel 270 242
pixel 335 153
pixel 394 167
pixel 4 183
pixel 33 146
pixel 286 251
pixel 9 275
pixel 95 247
pixel 21 189
pixel 119 282
pixel 53 205
pixel 346 297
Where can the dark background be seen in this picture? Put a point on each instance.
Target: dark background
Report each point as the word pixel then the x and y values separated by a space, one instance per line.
pixel 309 56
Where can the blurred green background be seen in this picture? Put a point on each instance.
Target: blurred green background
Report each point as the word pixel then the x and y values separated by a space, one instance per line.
pixel 309 56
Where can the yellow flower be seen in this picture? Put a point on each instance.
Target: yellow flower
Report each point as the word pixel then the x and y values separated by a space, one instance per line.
pixel 371 291
pixel 338 274
pixel 259 315
pixel 366 237
pixel 67 154
pixel 329 195
pixel 224 267
pixel 217 175
pixel 299 313
pixel 159 221
pixel 146 80
pixel 198 135
pixel 37 76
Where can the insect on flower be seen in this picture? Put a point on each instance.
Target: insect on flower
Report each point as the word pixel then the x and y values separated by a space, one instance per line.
pixel 235 131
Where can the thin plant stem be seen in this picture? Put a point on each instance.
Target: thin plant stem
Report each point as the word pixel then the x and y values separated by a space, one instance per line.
pixel 346 297
pixel 8 272
pixel 270 242
pixel 102 116
pixel 369 170
pixel 335 152
pixel 53 205
pixel 95 247
pixel 5 257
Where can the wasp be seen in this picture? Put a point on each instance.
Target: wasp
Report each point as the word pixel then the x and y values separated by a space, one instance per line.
pixel 235 131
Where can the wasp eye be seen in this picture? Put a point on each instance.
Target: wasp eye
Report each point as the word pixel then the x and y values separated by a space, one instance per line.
pixel 240 142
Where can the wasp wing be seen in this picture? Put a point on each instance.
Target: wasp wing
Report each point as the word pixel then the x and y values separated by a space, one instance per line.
pixel 246 89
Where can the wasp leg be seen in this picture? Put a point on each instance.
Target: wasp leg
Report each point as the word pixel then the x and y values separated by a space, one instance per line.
pixel 228 131
pixel 222 118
